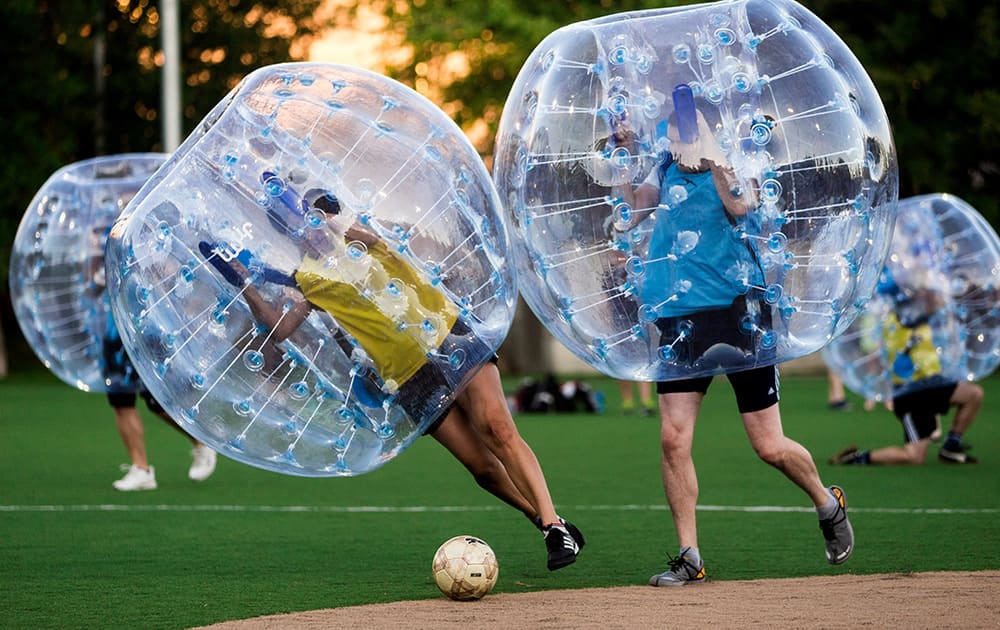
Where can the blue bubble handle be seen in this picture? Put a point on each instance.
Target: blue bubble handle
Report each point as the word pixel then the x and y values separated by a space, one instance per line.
pixel 687 120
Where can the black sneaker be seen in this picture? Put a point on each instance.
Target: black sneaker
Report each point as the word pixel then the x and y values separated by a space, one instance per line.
pixel 846 456
pixel 570 527
pixel 576 534
pixel 561 546
pixel 957 456
pixel 837 530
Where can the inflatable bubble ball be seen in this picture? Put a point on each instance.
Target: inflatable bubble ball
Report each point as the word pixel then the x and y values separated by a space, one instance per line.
pixel 57 275
pixel 696 190
pixel 315 272
pixel 935 315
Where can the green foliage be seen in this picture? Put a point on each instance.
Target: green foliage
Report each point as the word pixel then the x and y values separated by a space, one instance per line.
pixel 498 36
pixel 60 108
pixel 934 63
pixel 169 559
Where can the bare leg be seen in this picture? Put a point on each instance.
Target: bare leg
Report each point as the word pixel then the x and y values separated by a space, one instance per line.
pixel 166 418
pixel 130 429
pixel 791 458
pixel 678 413
pixel 483 402
pixel 458 435
pixel 967 400
pixel 628 397
pixel 911 453
pixel 834 388
pixel 645 394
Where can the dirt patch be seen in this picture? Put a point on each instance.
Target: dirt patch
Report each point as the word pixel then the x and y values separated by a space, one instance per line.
pixel 898 600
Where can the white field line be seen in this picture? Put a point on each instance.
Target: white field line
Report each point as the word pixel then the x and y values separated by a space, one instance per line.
pixel 348 509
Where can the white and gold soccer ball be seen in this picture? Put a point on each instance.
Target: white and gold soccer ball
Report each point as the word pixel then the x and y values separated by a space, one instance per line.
pixel 465 568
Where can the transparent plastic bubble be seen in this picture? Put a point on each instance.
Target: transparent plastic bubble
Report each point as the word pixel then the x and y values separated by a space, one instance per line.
pixel 57 271
pixel 774 99
pixel 935 315
pixel 348 273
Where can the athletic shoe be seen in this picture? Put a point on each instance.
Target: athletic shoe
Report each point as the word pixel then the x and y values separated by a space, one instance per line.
pixel 846 456
pixel 561 546
pixel 136 479
pixel 202 463
pixel 576 534
pixel 839 405
pixel 959 456
pixel 837 530
pixel 570 527
pixel 681 572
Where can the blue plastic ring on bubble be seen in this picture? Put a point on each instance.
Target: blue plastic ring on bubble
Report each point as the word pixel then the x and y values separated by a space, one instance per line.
pixel 647 314
pixel 666 354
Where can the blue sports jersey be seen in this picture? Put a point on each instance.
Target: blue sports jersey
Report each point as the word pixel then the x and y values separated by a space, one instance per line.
pixel 696 258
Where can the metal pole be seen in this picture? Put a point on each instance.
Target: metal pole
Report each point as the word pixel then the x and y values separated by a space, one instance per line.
pixel 100 59
pixel 171 95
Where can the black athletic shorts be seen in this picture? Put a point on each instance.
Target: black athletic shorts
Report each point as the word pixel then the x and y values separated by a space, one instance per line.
pixel 432 427
pixel 119 400
pixel 755 389
pixel 703 329
pixel 421 395
pixel 919 410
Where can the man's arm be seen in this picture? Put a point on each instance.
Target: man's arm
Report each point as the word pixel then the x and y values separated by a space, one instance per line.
pixel 737 199
pixel 282 319
pixel 642 199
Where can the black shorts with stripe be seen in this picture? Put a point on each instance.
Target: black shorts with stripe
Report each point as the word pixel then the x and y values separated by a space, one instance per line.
pixel 918 411
pixel 755 389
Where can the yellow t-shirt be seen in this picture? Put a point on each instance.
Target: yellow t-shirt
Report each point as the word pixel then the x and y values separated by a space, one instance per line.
pixel 395 314
pixel 918 342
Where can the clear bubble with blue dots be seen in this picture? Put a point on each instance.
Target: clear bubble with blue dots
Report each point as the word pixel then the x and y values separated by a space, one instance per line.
pixel 935 315
pixel 256 204
pixel 599 105
pixel 57 274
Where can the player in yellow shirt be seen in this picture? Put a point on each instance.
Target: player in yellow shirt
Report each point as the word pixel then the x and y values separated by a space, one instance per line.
pixel 921 393
pixel 398 317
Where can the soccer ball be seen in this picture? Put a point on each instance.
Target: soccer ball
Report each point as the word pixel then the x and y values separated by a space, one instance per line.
pixel 465 568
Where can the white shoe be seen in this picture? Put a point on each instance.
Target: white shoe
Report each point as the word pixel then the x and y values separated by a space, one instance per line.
pixel 202 464
pixel 136 479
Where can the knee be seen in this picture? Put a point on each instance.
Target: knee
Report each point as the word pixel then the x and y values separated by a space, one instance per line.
pixel 771 452
pixel 674 441
pixel 976 394
pixel 916 452
pixel 499 431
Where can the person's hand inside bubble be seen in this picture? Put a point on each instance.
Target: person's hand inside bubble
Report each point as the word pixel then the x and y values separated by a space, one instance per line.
pixel 701 154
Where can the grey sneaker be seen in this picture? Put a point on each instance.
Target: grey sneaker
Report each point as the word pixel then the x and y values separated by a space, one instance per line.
pixel 837 530
pixel 680 572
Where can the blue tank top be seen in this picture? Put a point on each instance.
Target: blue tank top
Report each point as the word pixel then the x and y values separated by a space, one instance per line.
pixel 696 259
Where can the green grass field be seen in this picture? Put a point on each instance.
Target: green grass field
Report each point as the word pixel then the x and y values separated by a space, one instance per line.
pixel 76 553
